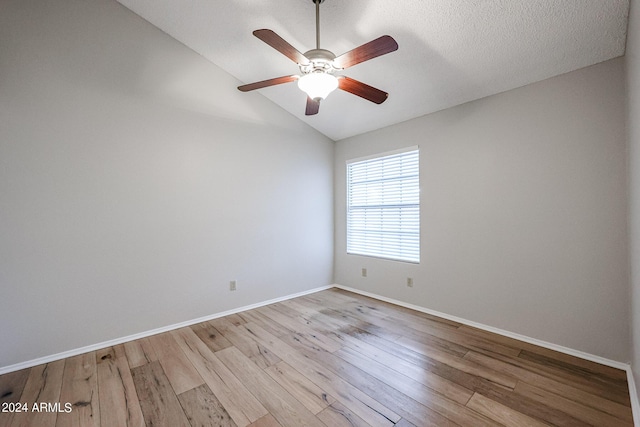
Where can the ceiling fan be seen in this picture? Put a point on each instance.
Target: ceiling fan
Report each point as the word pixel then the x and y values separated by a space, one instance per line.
pixel 318 66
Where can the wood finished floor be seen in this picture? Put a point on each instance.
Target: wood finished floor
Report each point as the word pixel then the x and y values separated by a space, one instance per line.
pixel 332 358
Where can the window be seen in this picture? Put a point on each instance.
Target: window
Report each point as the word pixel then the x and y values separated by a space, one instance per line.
pixel 383 206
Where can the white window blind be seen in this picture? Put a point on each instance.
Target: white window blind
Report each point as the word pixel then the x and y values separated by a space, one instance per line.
pixel 383 206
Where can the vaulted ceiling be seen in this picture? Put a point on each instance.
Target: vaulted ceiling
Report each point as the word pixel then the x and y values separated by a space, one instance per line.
pixel 450 51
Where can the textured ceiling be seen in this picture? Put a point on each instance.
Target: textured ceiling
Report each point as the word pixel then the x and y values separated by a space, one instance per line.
pixel 451 51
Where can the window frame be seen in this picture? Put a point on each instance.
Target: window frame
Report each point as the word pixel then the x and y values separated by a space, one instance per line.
pixel 401 252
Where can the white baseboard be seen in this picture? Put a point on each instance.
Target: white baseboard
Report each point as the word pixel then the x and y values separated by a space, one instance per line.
pixel 105 344
pixel 534 341
pixel 633 394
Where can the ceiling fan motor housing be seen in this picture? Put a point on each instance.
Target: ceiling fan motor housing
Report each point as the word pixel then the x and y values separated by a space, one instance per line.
pixel 320 60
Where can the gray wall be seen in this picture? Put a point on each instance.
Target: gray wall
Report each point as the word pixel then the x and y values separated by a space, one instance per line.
pixel 523 212
pixel 632 58
pixel 136 182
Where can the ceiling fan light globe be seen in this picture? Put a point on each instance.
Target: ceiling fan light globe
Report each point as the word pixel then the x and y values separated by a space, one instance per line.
pixel 318 85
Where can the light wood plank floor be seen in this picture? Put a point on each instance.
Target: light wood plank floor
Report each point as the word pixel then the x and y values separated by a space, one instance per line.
pixel 332 358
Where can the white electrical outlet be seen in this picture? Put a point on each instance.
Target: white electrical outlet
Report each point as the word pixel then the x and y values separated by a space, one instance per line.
pixel 364 272
pixel 232 285
pixel 410 282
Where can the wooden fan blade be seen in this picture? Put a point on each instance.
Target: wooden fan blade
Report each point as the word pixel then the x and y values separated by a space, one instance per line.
pixel 373 49
pixel 312 107
pixel 362 90
pixel 267 83
pixel 281 45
